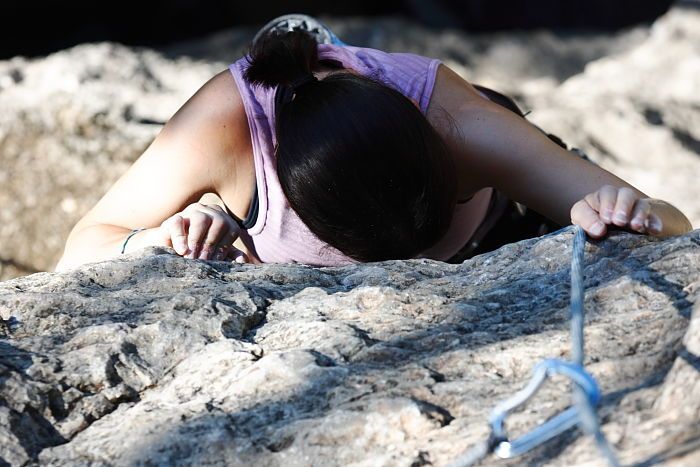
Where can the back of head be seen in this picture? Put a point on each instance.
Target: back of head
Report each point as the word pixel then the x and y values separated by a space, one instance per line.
pixel 360 165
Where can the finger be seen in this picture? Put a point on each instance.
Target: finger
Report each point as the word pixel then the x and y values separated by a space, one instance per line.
pixel 593 200
pixel 626 199
pixel 587 217
pixel 225 245
pixel 221 252
pixel 199 225
pixel 241 258
pixel 640 213
pixel 212 209
pixel 237 256
pixel 215 207
pixel 654 224
pixel 222 234
pixel 175 230
pixel 608 196
pixel 193 208
pixel 218 229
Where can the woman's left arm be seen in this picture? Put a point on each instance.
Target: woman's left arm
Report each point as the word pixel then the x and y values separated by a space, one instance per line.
pixel 497 148
pixel 623 207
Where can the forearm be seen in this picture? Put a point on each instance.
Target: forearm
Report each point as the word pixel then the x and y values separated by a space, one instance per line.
pixel 101 242
pixel 507 152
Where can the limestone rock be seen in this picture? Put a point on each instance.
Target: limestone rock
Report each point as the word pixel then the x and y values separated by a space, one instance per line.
pixel 156 359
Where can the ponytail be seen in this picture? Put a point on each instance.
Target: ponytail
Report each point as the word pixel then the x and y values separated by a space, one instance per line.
pixel 280 58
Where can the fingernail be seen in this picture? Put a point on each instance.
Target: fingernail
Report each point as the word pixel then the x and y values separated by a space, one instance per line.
pixel 621 217
pixel 607 214
pixel 598 228
pixel 181 247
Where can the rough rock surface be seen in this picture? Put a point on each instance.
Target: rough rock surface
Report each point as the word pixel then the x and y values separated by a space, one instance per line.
pixel 71 123
pixel 156 359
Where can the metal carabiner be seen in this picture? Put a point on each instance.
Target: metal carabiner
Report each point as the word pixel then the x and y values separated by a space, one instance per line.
pixel 506 448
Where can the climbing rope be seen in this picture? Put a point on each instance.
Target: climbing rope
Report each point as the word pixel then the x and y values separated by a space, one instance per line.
pixel 586 393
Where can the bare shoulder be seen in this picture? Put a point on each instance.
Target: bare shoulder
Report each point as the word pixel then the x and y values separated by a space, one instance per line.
pixel 222 91
pixel 212 121
pixel 450 93
pixel 203 148
pixel 221 104
pixel 218 104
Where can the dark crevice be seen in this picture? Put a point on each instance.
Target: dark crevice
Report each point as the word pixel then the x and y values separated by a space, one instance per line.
pixel 57 405
pixel 15 358
pixel 436 375
pixel 434 412
pixel 690 358
pixel 691 444
pixel 111 371
pixel 281 444
pixel 33 431
pixel 364 335
pixel 423 458
pixel 653 117
pixel 604 151
pixel 322 360
pixel 687 140
pixel 266 299
pixel 129 116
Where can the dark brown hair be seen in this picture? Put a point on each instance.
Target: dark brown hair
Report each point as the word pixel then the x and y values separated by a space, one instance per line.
pixel 359 163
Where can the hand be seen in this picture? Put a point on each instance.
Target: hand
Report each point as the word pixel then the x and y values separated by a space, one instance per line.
pixel 621 207
pixel 203 232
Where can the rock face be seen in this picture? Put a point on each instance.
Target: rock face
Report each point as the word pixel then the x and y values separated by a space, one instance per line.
pixel 156 359
pixel 73 122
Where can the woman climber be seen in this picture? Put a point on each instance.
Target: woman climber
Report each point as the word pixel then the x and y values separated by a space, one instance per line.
pixel 328 154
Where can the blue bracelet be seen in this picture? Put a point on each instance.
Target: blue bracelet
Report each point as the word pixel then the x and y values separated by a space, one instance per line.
pixel 128 237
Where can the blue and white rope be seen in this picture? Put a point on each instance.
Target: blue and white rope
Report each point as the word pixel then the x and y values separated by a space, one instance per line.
pixel 585 389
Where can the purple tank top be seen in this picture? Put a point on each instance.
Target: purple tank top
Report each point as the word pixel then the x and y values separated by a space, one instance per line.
pixel 272 230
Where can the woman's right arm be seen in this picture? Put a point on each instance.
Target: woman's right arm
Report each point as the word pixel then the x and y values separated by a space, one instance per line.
pixel 197 151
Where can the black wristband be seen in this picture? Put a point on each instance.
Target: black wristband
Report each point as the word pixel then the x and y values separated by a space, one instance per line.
pixel 128 237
